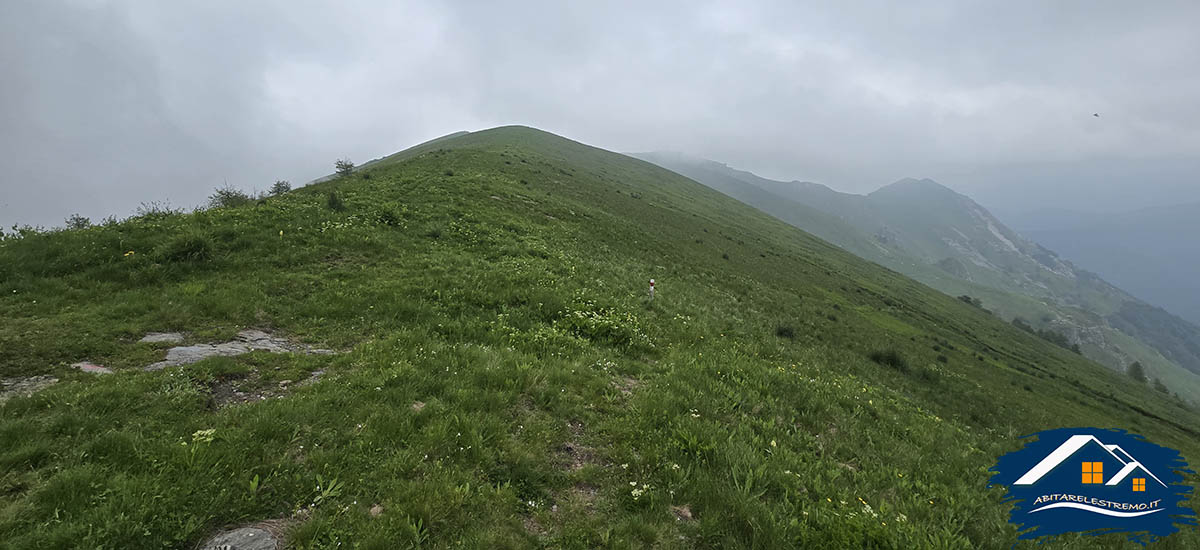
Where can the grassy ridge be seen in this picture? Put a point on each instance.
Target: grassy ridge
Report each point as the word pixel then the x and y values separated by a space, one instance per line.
pixel 504 382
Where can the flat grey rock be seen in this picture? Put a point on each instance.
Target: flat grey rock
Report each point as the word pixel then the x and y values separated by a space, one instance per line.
pixel 12 387
pixel 246 341
pixel 162 337
pixel 87 366
pixel 245 538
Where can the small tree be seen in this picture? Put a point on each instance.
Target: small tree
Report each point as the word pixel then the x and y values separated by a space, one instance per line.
pixel 1137 372
pixel 343 167
pixel 280 187
pixel 228 196
pixel 1159 386
pixel 78 222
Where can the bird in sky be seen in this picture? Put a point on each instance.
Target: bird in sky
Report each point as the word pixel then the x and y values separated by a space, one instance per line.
pixel 1097 115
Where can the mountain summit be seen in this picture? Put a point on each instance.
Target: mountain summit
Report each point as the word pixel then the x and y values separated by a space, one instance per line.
pixel 908 186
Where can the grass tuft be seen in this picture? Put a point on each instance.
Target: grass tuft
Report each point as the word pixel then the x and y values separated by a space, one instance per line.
pixel 889 358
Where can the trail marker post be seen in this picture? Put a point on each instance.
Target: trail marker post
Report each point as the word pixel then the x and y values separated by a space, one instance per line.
pixel 651 290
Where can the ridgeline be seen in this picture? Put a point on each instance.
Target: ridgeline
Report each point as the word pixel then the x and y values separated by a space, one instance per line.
pixel 499 378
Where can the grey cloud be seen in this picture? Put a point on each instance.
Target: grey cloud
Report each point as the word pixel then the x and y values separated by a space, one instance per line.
pixel 107 104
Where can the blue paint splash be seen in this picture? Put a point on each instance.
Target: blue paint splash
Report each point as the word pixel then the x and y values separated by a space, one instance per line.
pixel 1080 507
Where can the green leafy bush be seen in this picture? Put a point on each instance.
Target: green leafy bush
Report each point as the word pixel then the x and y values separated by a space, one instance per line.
pixel 228 197
pixel 890 358
pixel 334 202
pixel 389 218
pixel 78 222
pixel 585 319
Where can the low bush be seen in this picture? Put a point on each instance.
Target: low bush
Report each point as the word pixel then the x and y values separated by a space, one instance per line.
pixel 389 218
pixel 189 247
pixel 78 222
pixel 334 201
pixel 889 358
pixel 227 197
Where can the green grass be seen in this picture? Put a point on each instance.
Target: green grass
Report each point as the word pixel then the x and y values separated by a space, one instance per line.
pixel 909 227
pixel 562 409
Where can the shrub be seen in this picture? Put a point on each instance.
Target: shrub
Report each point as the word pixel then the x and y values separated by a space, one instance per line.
pixel 280 187
pixel 587 320
pixel 389 218
pixel 449 172
pixel 890 358
pixel 1137 372
pixel 189 247
pixel 228 196
pixel 343 167
pixel 366 175
pixel 334 201
pixel 785 331
pixel 78 222
pixel 1023 325
pixel 943 359
pixel 155 209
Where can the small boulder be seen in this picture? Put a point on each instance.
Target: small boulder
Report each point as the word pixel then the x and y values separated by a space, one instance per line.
pixel 162 337
pixel 245 538
pixel 12 387
pixel 89 367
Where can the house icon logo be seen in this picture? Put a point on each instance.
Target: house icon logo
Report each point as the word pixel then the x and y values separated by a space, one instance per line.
pixel 1092 480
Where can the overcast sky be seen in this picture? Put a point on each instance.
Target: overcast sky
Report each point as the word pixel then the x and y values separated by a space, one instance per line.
pixel 104 105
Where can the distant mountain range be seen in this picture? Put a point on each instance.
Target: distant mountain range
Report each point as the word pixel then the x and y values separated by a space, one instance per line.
pixel 1151 252
pixel 948 241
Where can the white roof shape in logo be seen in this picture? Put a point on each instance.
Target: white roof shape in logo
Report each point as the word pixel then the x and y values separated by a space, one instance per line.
pixel 1070 447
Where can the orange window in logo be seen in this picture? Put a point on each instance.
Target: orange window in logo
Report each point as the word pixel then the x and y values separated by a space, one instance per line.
pixel 1139 484
pixel 1093 472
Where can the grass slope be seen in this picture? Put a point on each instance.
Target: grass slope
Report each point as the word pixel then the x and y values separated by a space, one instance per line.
pixel 505 383
pixel 947 241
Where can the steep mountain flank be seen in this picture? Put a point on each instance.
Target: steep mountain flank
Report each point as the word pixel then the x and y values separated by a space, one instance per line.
pixel 945 239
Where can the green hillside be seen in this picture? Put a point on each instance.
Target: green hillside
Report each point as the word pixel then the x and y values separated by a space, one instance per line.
pixel 946 240
pixel 502 380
